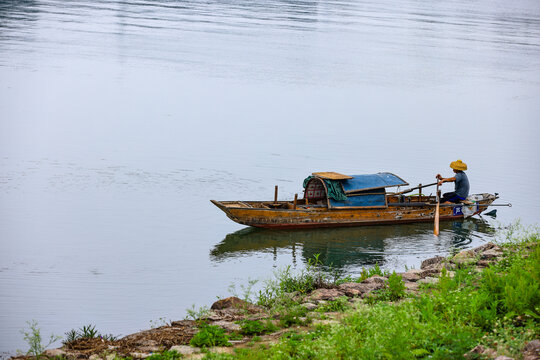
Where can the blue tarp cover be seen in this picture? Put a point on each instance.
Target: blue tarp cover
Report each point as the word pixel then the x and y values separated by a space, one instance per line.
pixel 375 197
pixel 372 181
pixel 360 201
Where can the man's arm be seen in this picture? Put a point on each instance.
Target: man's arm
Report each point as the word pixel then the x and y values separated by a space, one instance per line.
pixel 443 180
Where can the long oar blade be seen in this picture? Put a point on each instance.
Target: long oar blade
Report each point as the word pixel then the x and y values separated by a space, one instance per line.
pixel 436 225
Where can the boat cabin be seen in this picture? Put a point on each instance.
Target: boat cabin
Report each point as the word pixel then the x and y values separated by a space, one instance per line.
pixel 334 190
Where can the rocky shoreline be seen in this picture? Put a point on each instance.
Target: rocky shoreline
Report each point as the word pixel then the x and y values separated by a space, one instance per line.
pixel 227 313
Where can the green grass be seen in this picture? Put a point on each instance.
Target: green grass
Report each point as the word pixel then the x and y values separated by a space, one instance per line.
pixel 210 335
pixel 256 327
pixel 293 316
pixel 165 355
pixel 498 308
pixel 340 304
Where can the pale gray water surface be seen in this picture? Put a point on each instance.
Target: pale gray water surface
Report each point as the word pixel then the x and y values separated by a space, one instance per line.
pixel 119 120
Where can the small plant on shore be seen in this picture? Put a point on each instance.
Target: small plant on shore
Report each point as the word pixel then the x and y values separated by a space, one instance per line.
pixel 108 337
pixel 340 304
pixel 71 336
pixel 256 327
pixel 154 324
pixel 277 293
pixel 210 335
pixel 296 315
pixel 235 336
pixel 394 289
pixel 32 336
pixel 367 273
pixel 252 327
pixel 197 314
pixel 86 332
pixel 247 290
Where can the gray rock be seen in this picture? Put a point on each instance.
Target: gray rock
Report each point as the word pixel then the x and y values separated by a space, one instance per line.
pixel 183 323
pixel 491 254
pixel 533 345
pixel 139 355
pixel 309 306
pixel 227 325
pixel 368 293
pixel 235 303
pixel 432 261
pixel 413 275
pixel 484 263
pixel 465 257
pixel 148 342
pixel 375 279
pixel 185 349
pixel 220 350
pixel 434 268
pixel 480 350
pixel 411 286
pixel 531 350
pixel 357 289
pixel 325 294
pixel 149 349
pixel 231 314
pixel 364 288
pixel 502 357
pixel 486 246
pixel 54 352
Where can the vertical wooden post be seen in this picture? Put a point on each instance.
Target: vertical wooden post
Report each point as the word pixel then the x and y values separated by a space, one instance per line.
pixel 275 195
pixel 295 200
pixel 420 190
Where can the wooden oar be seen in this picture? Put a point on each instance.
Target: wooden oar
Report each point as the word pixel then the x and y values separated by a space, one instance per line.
pixel 436 226
pixel 414 188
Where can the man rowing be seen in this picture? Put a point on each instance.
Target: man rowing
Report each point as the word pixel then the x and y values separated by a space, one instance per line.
pixel 461 190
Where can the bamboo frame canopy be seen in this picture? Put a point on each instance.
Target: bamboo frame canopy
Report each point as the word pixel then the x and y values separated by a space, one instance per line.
pixel 330 175
pixel 371 181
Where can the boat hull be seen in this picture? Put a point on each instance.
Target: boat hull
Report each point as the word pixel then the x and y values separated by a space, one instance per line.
pixel 312 217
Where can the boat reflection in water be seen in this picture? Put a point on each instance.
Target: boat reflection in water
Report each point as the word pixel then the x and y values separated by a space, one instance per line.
pixel 351 249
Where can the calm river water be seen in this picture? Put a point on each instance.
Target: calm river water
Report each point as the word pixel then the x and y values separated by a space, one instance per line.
pixel 120 120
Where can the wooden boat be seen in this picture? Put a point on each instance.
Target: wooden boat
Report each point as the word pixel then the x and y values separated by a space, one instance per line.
pixel 332 200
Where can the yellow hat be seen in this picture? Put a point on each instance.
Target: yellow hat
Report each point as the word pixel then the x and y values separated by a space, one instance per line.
pixel 458 165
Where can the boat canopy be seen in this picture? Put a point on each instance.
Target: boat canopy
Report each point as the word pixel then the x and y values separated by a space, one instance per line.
pixel 352 191
pixel 371 181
